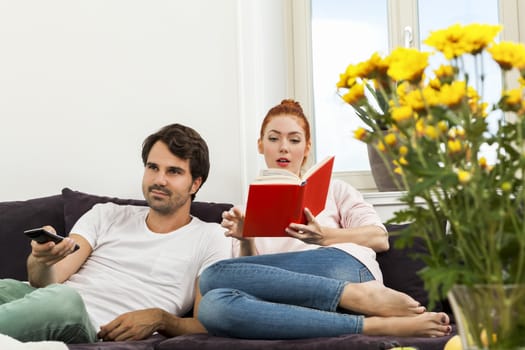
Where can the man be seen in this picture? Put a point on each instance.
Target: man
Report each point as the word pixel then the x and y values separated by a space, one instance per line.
pixel 137 268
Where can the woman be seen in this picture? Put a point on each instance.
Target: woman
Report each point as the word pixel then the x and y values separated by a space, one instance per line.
pixel 324 279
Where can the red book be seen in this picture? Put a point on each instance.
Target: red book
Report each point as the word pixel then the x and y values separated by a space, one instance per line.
pixel 278 197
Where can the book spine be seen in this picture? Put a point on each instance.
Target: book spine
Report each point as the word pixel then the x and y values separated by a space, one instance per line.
pixel 299 210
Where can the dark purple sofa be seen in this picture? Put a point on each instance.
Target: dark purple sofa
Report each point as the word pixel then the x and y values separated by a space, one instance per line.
pixel 62 210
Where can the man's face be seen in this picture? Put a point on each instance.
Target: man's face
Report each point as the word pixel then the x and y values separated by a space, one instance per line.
pixel 167 184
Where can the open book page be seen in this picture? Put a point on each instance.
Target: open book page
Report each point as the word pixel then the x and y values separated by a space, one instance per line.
pixel 276 176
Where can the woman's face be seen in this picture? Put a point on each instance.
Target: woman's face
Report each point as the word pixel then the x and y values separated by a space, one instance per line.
pixel 284 144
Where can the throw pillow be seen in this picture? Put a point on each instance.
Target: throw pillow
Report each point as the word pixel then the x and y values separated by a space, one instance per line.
pixel 77 203
pixel 17 216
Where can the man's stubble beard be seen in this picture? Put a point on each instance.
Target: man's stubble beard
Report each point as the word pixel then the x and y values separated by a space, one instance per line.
pixel 166 208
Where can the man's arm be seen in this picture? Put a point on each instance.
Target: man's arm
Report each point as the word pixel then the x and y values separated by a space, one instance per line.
pixel 173 326
pixel 54 263
pixel 141 324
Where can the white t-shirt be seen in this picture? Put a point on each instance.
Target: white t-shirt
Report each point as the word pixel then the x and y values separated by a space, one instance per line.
pixel 133 268
pixel 345 208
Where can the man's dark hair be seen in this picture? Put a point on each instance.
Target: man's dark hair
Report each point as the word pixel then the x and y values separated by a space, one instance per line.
pixel 185 143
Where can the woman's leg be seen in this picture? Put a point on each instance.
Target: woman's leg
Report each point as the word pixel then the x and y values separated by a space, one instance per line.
pixel 232 313
pixel 55 312
pixel 427 324
pixel 324 279
pixel 312 279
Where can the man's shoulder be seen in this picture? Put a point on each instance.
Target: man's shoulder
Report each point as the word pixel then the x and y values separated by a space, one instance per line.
pixel 115 207
pixel 208 230
pixel 207 227
pixel 118 212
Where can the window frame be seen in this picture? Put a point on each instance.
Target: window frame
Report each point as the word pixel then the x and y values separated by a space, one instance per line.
pixel 402 14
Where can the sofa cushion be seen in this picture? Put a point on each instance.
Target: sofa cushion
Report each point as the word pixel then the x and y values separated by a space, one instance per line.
pixel 146 344
pixel 77 203
pixel 344 342
pixel 15 218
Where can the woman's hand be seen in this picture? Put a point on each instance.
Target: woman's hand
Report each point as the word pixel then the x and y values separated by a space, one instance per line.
pixel 310 233
pixel 233 222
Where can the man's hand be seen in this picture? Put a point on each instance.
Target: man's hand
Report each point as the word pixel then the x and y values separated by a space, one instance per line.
pixel 134 325
pixel 50 253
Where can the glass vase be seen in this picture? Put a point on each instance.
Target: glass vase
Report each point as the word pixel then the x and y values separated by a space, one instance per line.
pixel 489 316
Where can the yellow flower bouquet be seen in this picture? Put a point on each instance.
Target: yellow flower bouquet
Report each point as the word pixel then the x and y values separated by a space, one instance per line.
pixel 433 124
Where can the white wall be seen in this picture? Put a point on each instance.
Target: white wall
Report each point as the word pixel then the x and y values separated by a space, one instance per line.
pixel 82 83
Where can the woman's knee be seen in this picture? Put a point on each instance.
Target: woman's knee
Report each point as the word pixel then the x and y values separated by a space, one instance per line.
pixel 217 312
pixel 211 276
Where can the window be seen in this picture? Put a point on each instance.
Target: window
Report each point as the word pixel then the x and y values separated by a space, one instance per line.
pixel 339 34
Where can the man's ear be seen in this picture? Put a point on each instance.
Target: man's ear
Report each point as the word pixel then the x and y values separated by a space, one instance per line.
pixel 196 185
pixel 260 147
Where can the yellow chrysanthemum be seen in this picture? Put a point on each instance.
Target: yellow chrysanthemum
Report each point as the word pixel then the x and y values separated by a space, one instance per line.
pixel 435 84
pixel 378 63
pixel 403 150
pixel 458 40
pixel 482 161
pixel 454 146
pixel 402 89
pixel 402 114
pixel 508 55
pixel 431 96
pixel 390 139
pixel 464 176
pixel 345 81
pixel 515 96
pixel 365 69
pixel 512 100
pixel 420 127
pixel 403 161
pixel 442 126
pixel 431 132
pixel 407 64
pixel 414 99
pixel 355 94
pixel 444 74
pixel 460 132
pixel 453 94
pixel 360 134
pixel 445 70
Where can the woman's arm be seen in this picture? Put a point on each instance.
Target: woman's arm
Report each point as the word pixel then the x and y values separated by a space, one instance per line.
pixel 372 236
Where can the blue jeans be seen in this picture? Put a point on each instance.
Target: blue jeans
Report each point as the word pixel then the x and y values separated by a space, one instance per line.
pixel 280 296
pixel 55 312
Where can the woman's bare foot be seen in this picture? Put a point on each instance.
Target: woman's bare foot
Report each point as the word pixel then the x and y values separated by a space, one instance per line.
pixel 427 324
pixel 374 299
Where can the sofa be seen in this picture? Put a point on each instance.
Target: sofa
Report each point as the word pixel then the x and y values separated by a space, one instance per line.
pixel 63 209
